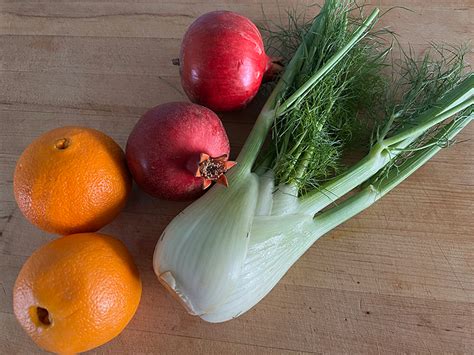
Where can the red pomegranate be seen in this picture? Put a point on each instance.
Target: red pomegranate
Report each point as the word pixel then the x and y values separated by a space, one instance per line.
pixel 177 149
pixel 222 61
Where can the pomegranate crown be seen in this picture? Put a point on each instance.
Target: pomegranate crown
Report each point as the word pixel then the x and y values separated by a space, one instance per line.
pixel 213 169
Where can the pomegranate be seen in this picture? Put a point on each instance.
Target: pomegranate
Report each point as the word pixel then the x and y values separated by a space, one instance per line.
pixel 223 61
pixel 177 149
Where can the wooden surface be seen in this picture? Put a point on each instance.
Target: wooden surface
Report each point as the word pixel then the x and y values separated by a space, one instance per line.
pixel 397 278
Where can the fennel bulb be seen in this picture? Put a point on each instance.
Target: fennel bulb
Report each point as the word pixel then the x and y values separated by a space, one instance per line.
pixel 222 254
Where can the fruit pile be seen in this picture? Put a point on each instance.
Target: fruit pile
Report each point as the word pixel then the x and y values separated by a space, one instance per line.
pixel 81 290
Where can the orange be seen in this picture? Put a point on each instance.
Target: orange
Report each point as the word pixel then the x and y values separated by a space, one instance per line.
pixel 71 180
pixel 77 292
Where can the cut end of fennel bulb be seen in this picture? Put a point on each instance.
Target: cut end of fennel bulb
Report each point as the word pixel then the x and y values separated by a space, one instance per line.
pixel 169 282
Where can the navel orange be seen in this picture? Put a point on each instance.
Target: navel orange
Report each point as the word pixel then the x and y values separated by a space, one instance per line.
pixel 71 180
pixel 77 292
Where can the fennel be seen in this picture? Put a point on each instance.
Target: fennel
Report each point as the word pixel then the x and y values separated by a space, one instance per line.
pixel 227 250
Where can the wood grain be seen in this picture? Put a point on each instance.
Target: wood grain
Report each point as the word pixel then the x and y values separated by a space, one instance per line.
pixel 399 277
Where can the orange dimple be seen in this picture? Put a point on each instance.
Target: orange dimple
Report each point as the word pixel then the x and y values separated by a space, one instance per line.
pixel 77 292
pixel 71 180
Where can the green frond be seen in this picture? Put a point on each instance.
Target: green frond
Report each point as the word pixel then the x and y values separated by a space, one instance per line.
pixel 340 108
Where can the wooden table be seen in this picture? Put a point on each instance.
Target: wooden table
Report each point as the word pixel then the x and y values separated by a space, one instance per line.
pixel 397 278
